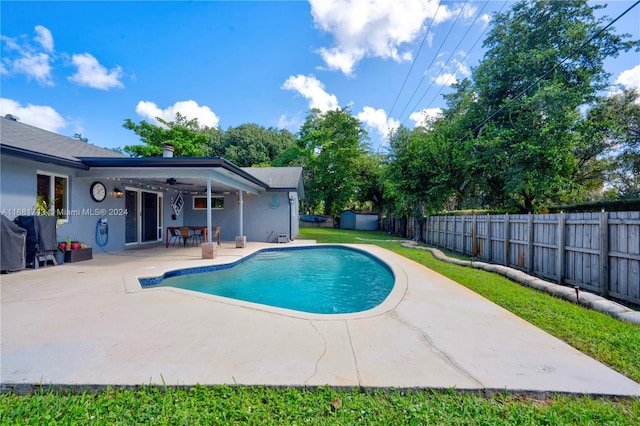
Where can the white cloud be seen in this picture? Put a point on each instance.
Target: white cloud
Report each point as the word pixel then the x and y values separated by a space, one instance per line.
pixel 189 109
pixel 450 71
pixel 35 65
pixel 425 117
pixel 291 123
pixel 630 78
pixel 40 116
pixel 28 58
pixel 44 37
pixel 446 79
pixel 378 120
pixel 91 73
pixel 312 89
pixel 373 28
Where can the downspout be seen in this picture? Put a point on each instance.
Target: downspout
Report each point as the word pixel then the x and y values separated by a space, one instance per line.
pixel 290 214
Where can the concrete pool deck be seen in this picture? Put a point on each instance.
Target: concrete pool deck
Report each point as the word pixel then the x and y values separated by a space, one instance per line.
pixel 90 323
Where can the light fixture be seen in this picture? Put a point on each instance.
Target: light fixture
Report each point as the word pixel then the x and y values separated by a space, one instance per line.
pixel 117 192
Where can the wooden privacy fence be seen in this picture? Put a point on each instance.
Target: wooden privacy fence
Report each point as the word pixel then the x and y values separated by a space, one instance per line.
pixel 599 252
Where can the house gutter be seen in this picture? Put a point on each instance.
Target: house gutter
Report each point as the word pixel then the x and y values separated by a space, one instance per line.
pixel 43 158
pixel 172 162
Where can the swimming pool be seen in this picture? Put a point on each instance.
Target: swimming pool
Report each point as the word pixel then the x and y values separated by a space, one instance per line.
pixel 317 279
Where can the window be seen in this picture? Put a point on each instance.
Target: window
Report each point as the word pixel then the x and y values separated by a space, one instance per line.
pixel 54 190
pixel 200 203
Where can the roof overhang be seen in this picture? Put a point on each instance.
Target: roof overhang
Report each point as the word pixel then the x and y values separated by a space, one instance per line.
pixel 196 170
pixel 40 157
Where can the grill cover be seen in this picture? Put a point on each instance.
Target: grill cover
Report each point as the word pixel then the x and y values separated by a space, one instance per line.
pixel 12 246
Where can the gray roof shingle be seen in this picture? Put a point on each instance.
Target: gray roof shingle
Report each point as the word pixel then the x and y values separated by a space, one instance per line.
pixel 277 177
pixel 30 138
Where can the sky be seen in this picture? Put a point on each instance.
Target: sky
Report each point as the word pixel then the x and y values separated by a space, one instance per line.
pixel 78 67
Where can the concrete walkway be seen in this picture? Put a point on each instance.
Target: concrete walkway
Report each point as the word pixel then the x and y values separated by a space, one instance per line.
pixel 90 323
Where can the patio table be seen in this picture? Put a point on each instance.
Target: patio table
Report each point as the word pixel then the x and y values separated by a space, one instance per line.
pixel 214 229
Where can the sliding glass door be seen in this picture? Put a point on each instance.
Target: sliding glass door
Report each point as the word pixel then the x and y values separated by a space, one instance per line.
pixel 144 216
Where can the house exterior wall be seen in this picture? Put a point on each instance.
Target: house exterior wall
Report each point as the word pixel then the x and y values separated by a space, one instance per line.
pixel 267 216
pixel 263 216
pixel 18 188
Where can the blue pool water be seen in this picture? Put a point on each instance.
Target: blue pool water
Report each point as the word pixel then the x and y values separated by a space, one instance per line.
pixel 320 279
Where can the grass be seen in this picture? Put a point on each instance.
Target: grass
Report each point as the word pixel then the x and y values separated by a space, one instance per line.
pixel 224 405
pixel 614 343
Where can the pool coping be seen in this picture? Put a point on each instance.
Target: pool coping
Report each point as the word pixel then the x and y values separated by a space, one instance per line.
pixel 393 299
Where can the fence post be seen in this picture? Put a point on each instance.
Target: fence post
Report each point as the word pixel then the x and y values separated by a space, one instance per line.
pixel 427 220
pixel 506 239
pixel 474 244
pixel 530 244
pixel 561 248
pixel 446 232
pixel 489 254
pixel 604 253
pixel 464 234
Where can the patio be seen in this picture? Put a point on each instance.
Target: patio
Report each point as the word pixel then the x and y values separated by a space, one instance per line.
pixel 90 323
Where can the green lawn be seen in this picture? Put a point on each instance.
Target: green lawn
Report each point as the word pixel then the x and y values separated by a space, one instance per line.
pixel 615 343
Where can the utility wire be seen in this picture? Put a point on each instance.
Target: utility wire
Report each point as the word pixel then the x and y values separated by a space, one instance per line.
pixel 549 71
pixel 462 60
pixel 434 58
pixel 426 34
pixel 450 56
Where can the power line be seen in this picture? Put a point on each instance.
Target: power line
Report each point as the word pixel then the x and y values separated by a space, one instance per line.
pixel 434 58
pixel 450 56
pixel 426 34
pixel 550 70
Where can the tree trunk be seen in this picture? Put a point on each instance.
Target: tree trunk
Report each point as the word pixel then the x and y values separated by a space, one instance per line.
pixel 418 214
pixel 417 229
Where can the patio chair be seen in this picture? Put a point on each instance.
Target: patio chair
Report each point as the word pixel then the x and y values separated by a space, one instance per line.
pixel 198 236
pixel 216 234
pixel 186 235
pixel 174 235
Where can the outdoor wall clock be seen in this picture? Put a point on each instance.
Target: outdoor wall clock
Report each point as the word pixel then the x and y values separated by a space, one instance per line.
pixel 98 192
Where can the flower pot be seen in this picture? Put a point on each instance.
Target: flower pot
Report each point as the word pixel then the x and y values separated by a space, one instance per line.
pixel 75 246
pixel 63 246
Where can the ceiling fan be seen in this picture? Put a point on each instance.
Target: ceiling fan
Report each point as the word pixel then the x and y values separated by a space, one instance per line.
pixel 173 181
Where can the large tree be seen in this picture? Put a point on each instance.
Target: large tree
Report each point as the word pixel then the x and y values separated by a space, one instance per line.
pixel 251 145
pixel 186 136
pixel 537 71
pixel 614 129
pixel 332 142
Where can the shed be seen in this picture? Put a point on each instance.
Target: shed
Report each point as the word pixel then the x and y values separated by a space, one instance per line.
pixel 361 221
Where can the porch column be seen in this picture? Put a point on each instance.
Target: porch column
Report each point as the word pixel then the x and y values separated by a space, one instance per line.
pixel 209 236
pixel 241 213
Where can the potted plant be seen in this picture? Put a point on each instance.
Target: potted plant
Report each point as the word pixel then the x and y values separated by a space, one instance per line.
pixel 41 207
pixel 68 244
pixel 75 245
